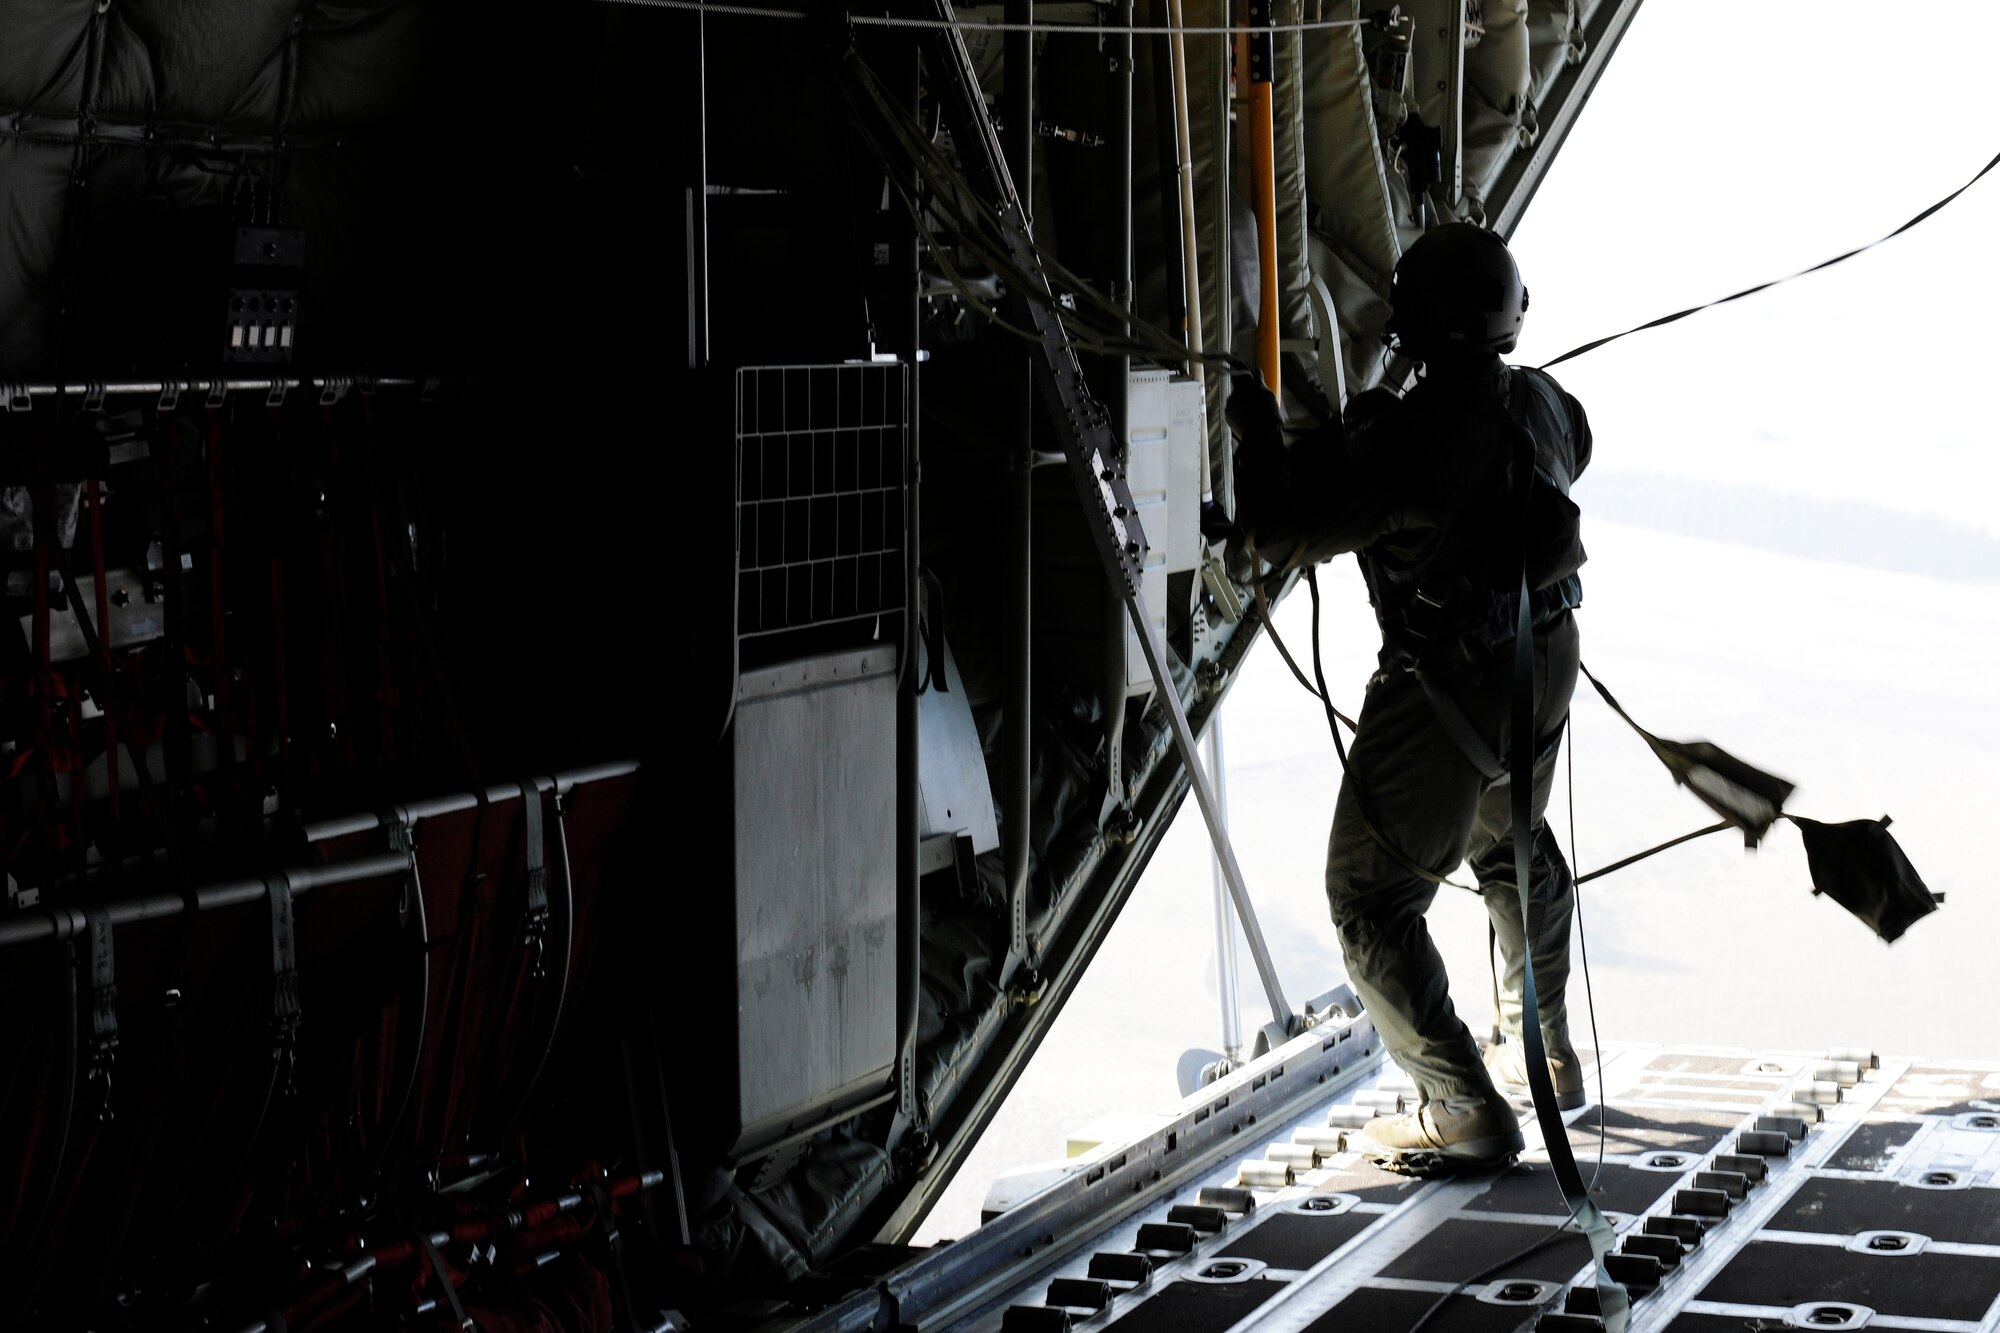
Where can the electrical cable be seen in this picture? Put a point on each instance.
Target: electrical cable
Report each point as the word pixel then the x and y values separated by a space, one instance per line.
pixel 1555 1233
pixel 994 25
pixel 1766 286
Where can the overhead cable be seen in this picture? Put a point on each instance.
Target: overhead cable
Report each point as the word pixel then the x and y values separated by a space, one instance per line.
pixel 1766 286
pixel 998 25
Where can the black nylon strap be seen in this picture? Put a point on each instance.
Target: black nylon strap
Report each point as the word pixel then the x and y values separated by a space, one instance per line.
pixel 1456 725
pixel 103 1005
pixel 284 974
pixel 536 913
pixel 1766 286
pixel 1613 1302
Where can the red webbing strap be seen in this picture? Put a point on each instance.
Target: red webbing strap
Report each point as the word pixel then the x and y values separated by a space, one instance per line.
pixel 43 502
pixel 334 665
pixel 280 681
pixel 447 1292
pixel 217 637
pixel 112 780
pixel 175 745
pixel 78 812
pixel 385 679
pixel 405 578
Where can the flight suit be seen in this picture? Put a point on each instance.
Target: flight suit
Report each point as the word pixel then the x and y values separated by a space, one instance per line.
pixel 1394 492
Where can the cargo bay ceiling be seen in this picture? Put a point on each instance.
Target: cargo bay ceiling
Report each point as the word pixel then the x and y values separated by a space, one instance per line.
pixel 689 345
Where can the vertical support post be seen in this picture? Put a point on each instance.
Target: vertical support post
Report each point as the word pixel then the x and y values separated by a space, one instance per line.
pixel 904 329
pixel 1018 146
pixel 1190 239
pixel 1262 51
pixel 1225 916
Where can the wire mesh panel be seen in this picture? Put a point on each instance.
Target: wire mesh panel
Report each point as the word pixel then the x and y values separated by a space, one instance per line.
pixel 821 513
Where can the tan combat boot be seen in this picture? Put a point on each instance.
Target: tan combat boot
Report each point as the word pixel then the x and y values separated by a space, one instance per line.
pixel 1508 1065
pixel 1445 1135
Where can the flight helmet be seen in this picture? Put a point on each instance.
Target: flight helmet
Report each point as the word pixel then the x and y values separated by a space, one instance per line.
pixel 1456 289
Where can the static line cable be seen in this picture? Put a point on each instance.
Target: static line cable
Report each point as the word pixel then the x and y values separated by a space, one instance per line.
pixel 1583 943
pixel 1766 286
pixel 995 25
pixel 1654 851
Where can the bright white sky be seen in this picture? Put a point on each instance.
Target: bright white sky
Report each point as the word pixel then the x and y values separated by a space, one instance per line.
pixel 1795 549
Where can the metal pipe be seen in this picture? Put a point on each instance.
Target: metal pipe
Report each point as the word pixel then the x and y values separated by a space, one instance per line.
pixel 1225 916
pixel 67 921
pixel 1018 144
pixel 1211 811
pixel 409 813
pixel 1264 181
pixel 12 395
pixel 906 329
pixel 1190 238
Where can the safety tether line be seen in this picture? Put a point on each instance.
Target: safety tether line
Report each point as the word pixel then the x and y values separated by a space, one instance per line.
pixel 1766 286
pixel 1613 1302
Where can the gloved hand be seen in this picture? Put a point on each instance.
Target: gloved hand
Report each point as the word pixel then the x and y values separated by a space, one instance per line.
pixel 1253 413
pixel 1364 409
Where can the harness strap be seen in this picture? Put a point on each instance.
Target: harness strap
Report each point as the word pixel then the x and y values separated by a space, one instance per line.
pixel 1613 1302
pixel 536 914
pixel 284 976
pixel 103 1005
pixel 1459 727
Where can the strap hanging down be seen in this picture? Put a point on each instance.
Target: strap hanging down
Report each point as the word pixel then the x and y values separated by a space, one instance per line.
pixel 1612 1299
pixel 103 1006
pixel 535 913
pixel 284 976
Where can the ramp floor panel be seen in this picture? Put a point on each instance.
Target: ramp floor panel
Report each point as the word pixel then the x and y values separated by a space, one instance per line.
pixel 1832 1206
pixel 1922 1286
pixel 1197 1307
pixel 1383 1310
pixel 1459 1249
pixel 1871 1147
pixel 1531 1187
pixel 1638 1129
pixel 1369 1183
pixel 1297 1240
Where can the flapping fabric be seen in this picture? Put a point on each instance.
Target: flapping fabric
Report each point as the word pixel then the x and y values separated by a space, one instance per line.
pixel 1859 865
pixel 1746 796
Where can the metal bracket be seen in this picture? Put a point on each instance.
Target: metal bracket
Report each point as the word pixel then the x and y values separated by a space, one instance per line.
pixel 334 388
pixel 218 393
pixel 18 398
pixel 93 396
pixel 170 395
pixel 280 386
